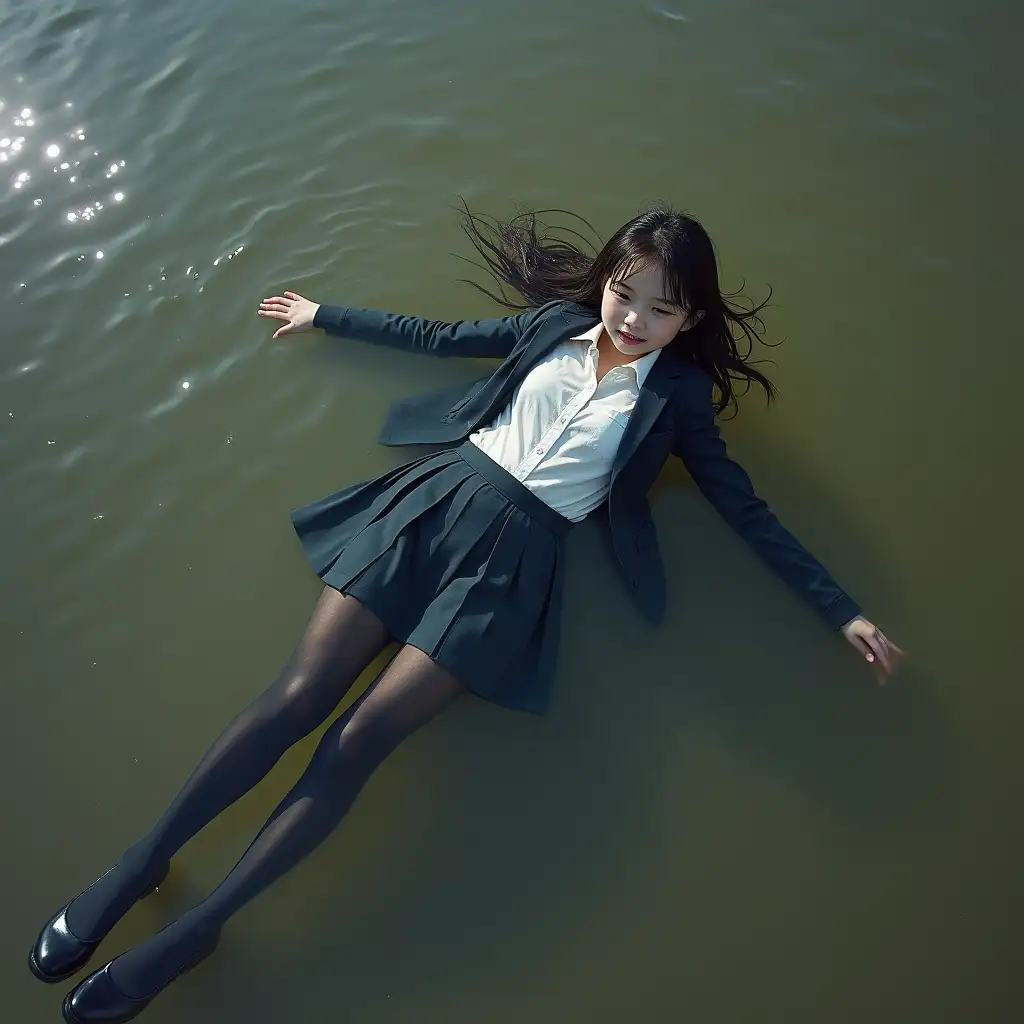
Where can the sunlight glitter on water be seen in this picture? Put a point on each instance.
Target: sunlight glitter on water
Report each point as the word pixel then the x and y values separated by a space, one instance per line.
pixel 68 159
pixel 78 178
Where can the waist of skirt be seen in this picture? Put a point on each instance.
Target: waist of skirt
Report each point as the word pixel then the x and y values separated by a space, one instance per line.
pixel 516 492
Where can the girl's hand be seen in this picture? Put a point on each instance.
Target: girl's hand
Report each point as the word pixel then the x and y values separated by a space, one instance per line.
pixel 296 311
pixel 874 645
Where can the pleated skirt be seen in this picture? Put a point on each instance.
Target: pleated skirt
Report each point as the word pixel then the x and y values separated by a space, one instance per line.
pixel 458 559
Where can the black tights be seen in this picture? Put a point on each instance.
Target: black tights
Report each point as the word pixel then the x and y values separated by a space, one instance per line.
pixel 342 638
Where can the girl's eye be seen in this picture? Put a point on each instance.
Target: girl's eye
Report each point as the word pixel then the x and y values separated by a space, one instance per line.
pixel 625 298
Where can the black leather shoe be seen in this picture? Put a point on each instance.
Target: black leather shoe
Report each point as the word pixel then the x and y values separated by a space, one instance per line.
pixel 97 1000
pixel 58 952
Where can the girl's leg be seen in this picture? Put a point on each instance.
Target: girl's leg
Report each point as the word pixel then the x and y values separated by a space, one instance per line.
pixel 342 638
pixel 407 694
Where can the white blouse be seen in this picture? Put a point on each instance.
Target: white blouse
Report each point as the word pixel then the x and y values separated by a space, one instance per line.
pixel 559 433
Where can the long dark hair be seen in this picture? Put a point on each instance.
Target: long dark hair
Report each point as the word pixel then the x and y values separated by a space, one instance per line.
pixel 544 264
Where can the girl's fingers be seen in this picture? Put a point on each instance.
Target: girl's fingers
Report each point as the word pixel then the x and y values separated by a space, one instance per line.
pixel 293 295
pixel 874 655
pixel 864 647
pixel 879 649
pixel 274 314
pixel 875 661
pixel 892 647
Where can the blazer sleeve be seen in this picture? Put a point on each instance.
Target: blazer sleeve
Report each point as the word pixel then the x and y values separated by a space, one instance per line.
pixel 471 338
pixel 726 485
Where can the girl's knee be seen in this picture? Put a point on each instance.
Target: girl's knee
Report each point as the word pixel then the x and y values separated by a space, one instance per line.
pixel 307 696
pixel 301 698
pixel 363 742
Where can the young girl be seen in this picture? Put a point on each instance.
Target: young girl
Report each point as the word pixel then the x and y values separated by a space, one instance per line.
pixel 614 363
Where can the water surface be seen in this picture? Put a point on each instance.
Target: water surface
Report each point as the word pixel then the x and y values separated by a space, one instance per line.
pixel 720 821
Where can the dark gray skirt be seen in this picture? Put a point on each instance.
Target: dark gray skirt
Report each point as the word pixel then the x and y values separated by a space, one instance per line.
pixel 456 557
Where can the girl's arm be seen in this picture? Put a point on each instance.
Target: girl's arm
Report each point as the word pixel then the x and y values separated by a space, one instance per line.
pixel 480 338
pixel 726 485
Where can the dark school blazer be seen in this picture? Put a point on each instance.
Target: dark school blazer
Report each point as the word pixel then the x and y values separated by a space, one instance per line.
pixel 673 415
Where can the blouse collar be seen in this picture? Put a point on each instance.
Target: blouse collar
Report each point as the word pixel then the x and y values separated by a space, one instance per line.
pixel 641 366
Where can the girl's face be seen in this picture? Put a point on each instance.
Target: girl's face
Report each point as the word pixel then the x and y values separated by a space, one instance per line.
pixel 637 314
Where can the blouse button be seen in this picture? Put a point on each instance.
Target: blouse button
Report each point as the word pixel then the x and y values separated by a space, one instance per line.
pixel 538 451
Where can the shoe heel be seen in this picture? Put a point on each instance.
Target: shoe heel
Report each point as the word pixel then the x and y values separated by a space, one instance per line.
pixel 153 888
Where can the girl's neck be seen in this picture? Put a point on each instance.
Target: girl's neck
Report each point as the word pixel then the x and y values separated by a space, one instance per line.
pixel 609 356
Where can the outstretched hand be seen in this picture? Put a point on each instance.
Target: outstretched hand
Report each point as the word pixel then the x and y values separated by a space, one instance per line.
pixel 296 311
pixel 874 646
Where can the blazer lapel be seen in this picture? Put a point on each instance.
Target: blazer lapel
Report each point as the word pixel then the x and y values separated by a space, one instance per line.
pixel 559 327
pixel 571 319
pixel 660 382
pixel 574 319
